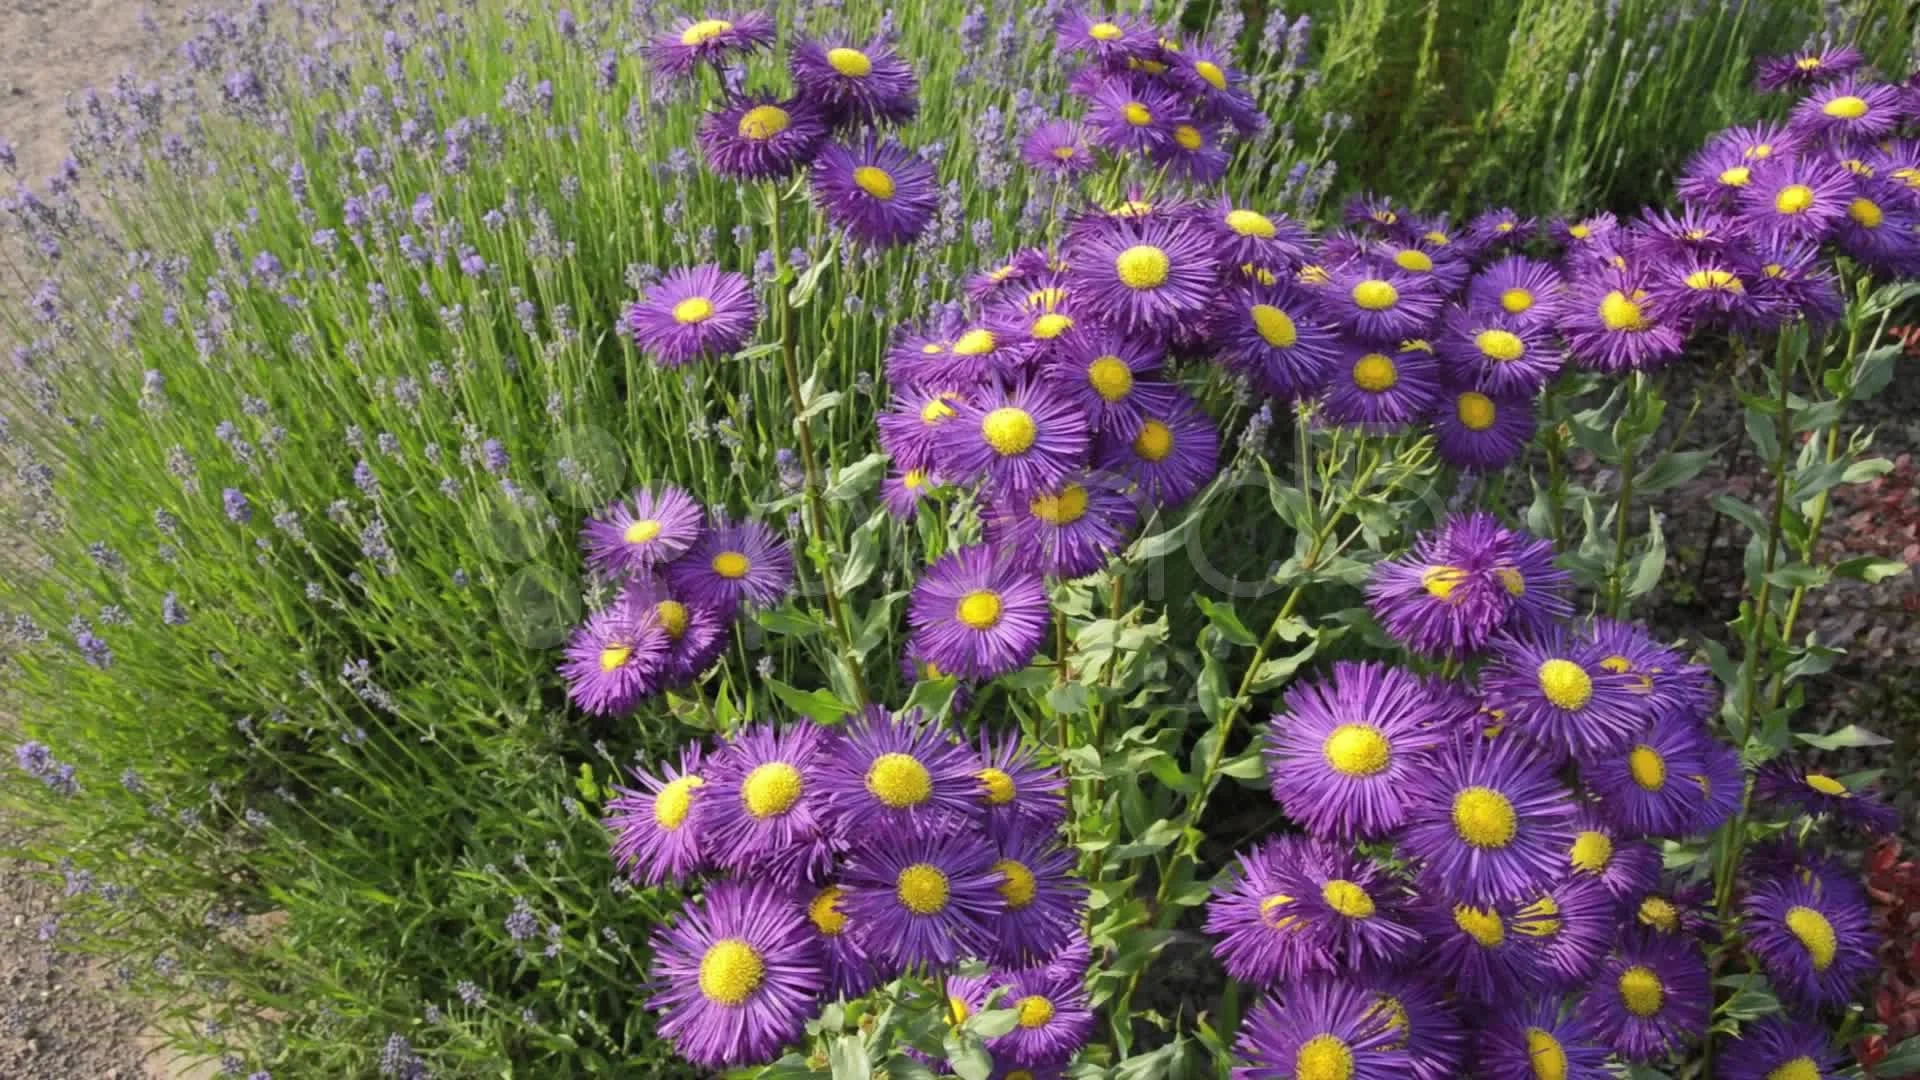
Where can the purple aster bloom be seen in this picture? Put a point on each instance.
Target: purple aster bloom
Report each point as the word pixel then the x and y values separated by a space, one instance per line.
pixel 1488 822
pixel 1428 1026
pixel 1154 276
pixel 1058 148
pixel 879 192
pixel 1250 915
pixel 1138 210
pixel 655 836
pixel 1478 950
pixel 644 531
pixel 1480 432
pixel 1671 685
pixel 1610 325
pixel 850 969
pixel 1808 67
pixel 1897 161
pixel 923 900
pixel 1686 910
pixel 859 84
pixel 693 312
pixel 759 137
pixel 1851 108
pixel 1797 198
pixel 1344 755
pixel 733 563
pixel 1110 40
pixel 977 615
pixel 1500 353
pixel 1434 263
pixel 1272 332
pixel 910 427
pixel 1346 913
pixel 1196 153
pixel 1629 869
pixel 1540 1038
pixel 1574 233
pixel 613 660
pixel 1376 212
pixel 1206 74
pixel 903 491
pixel 1520 288
pixel 1660 234
pixel 1381 389
pixel 1322 1027
pixel 1043 899
pixel 1758 143
pixel 900 773
pixel 691 42
pixel 1540 590
pixel 1019 440
pixel 763 810
pixel 1558 692
pixel 1245 238
pixel 1881 229
pixel 1052 1020
pixel 1021 797
pixel 1795 279
pixel 1500 227
pixel 1780 1048
pixel 739 975
pixel 1572 926
pixel 696 634
pixel 1464 581
pixel 918 355
pixel 1109 376
pixel 1379 304
pixel 1024 264
pixel 1722 781
pixel 1645 786
pixel 1130 114
pixel 1716 176
pixel 1651 997
pixel 1176 450
pixel 1785 784
pixel 1067 532
pixel 1700 288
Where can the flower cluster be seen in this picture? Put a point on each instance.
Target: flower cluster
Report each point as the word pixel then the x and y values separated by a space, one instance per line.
pixel 683 576
pixel 1506 904
pixel 837 860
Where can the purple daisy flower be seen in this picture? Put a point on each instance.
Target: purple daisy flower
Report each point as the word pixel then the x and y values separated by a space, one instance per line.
pixel 977 615
pixel 1500 353
pixel 1428 1026
pixel 1109 40
pixel 1464 581
pixel 899 773
pixel 740 974
pixel 696 634
pixel 1897 162
pixel 1715 176
pixel 1379 389
pixel 1540 1038
pixel 910 427
pixel 850 969
pixel 923 900
pixel 1481 432
pixel 1881 230
pixel 1019 440
pixel 1379 305
pixel 1196 153
pixel 1206 74
pixel 1068 532
pixel 1572 926
pixel 1058 148
pixel 1651 997
pixel 1722 781
pixel 1151 277
pixel 1671 685
pixel 1851 109
pixel 1499 227
pixel 1783 783
pixel 1248 237
pixel 1020 796
pixel 1132 115
pixel 1758 143
pixel 903 491
pixel 1251 917
pixel 1798 198
pixel 1488 822
pixel 1700 288
pixel 1540 590
pixel 1779 1048
pixel 1347 914
pixel 690 42
pixel 1627 868
pixel 919 355
pixel 1346 752
pixel 1374 212
pixel 764 809
pixel 1808 67
pixel 640 533
pixel 879 192
pixel 733 563
pixel 1575 233
pixel 1478 949
pixel 1520 288
pixel 614 660
pixel 691 313
pixel 1684 911
pixel 1052 1019
pixel 1661 234
pixel 1643 787
pixel 1556 691
pixel 655 837
pixel 1043 899
pixel 862 84
pixel 1318 1028
pixel 1175 451
pixel 1110 377
pixel 1795 279
pixel 1272 332
pixel 759 137
pixel 1610 326
pixel 1426 260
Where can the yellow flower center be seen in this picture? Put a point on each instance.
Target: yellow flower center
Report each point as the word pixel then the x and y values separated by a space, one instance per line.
pixel 1154 442
pixel 704 31
pixel 1313 275
pixel 1592 851
pixel 1580 232
pixel 1649 769
pixel 1640 991
pixel 1347 898
pixel 1249 223
pixel 1481 924
pixel 1548 1057
pixel 1827 785
pixel 673 617
pixel 1815 934
pixel 1501 345
pixel 1619 665
pixel 899 781
pixel 974 343
pixel 674 802
pixel 1475 411
pixel 1516 300
pixel 1046 299
pixel 1800 1068
pixel 1539 919
pixel 763 122
pixel 1807 63
pixel 614 656
pixel 1064 153
pixel 874 182
pixel 1142 266
pixel 914 479
pixel 1566 684
pixel 1375 295
pixel 1659 913
pixel 1412 259
pixel 1064 507
pixel 1051 325
pixel 1016 884
pixel 999 785
pixel 1511 580
pixel 694 309
pixel 1189 137
pixel 1009 430
pixel 957 1011
pixel 849 62
pixel 1394 1014
pixel 1273 914
pixel 1105 31
pixel 1793 199
pixel 1258 273
pixel 1110 377
pixel 1620 314
pixel 979 609
pixel 1845 107
pixel 1274 326
pixel 1137 114
pixel 922 889
pixel 1858 167
pixel 771 789
pixel 1357 750
pixel 731 565
pixel 1211 72
pixel 825 911
pixel 1758 152
pixel 1440 581
pixel 1722 280
pixel 641 531
pixel 935 411
pixel 1505 226
pixel 1484 817
pixel 1374 373
pixel 1323 1057
pixel 1035 1011
pixel 731 971
pixel 1132 208
pixel 1866 213
pixel 1907 175
pixel 1737 176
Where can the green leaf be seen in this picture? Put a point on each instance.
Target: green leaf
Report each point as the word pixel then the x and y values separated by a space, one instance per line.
pixel 1762 430
pixel 1251 765
pixel 1873 370
pixel 851 481
pixel 790 622
pixel 1870 568
pixel 847 1057
pixel 1798 575
pixel 1851 735
pixel 1165 542
pixel 1212 692
pixel 993 1023
pixel 1069 698
pixel 1158 836
pixel 1862 471
pixel 818 404
pixel 1902 1060
pixel 967 1058
pixel 1649 564
pixel 1227 620
pixel 1751 999
pixel 819 705
pixel 810 280
pixel 1289 502
pixel 1740 512
pixel 1672 470
pixel 904 1068
pixel 863 557
pixel 1272 673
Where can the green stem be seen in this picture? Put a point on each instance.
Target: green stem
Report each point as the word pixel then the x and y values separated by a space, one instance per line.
pixel 1622 517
